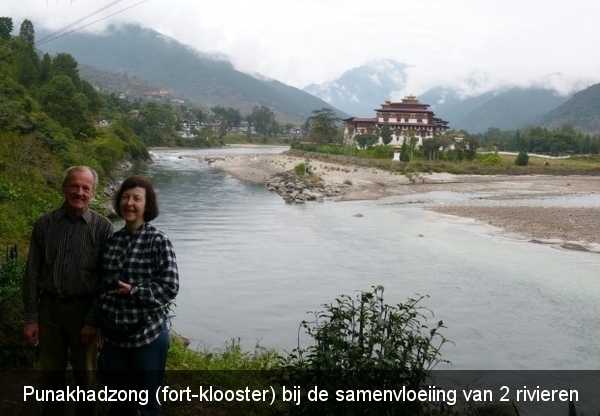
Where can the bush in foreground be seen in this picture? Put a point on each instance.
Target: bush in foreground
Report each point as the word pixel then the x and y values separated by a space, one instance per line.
pixel 363 343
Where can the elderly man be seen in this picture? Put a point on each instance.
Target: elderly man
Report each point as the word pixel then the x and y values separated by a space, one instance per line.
pixel 62 279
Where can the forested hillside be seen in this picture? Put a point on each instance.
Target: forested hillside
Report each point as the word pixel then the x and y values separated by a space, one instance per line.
pixel 582 111
pixel 206 80
pixel 48 122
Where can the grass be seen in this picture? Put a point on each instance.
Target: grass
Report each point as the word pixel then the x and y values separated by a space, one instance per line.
pixel 230 357
pixel 227 368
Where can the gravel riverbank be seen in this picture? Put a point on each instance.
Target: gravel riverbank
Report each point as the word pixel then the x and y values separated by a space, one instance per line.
pixel 573 228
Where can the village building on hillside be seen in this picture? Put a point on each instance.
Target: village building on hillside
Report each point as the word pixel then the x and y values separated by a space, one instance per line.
pixel 406 119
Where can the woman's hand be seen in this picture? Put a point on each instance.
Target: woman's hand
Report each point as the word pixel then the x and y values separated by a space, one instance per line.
pixel 124 289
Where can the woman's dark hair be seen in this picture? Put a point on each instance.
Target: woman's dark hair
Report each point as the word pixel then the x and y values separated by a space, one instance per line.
pixel 151 207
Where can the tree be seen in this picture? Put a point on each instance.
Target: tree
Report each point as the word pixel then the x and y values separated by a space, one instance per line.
pixel 444 141
pixel 155 123
pixel 62 102
pixel 412 142
pixel 231 115
pixel 518 143
pixel 27 33
pixel 263 119
pixel 470 148
pixel 223 126
pixel 465 148
pixel 6 27
pixel 431 147
pixel 323 126
pixel 45 68
pixel 65 64
pixel 25 63
pixel 95 101
pixel 365 141
pixel 386 134
pixel 405 151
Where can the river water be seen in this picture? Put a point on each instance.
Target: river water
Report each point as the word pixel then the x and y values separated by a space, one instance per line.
pixel 252 266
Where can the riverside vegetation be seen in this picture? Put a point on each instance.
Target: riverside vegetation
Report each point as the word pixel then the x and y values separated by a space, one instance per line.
pixel 355 342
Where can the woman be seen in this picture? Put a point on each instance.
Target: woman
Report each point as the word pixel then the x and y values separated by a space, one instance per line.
pixel 141 282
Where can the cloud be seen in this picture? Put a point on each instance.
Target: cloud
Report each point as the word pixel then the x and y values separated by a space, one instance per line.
pixel 472 44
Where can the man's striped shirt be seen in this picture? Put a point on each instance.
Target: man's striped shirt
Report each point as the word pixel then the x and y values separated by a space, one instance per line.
pixel 65 257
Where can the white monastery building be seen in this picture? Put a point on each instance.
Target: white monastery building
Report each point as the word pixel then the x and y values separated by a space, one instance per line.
pixel 405 119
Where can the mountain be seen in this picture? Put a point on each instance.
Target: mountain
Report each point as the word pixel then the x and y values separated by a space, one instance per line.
pixel 132 87
pixel 449 105
pixel 162 62
pixel 505 109
pixel 361 90
pixel 582 111
pixel 150 63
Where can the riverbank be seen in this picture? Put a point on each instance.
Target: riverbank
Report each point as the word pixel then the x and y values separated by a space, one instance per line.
pixel 572 228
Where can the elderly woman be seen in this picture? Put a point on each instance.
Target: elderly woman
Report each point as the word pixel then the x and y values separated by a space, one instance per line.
pixel 141 282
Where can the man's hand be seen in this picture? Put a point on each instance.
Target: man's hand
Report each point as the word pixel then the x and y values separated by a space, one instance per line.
pixel 88 335
pixel 31 333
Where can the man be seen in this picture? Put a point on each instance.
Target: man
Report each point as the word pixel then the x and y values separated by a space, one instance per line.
pixel 62 279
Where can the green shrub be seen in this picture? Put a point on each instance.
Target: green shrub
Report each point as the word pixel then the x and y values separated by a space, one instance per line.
pixel 522 159
pixel 383 152
pixel 328 149
pixel 492 159
pixel 366 333
pixel 302 169
pixel 359 340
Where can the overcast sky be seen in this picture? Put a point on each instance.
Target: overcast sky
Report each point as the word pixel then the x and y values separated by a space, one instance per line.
pixel 476 44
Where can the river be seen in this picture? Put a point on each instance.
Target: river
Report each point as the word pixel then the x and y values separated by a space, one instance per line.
pixel 252 266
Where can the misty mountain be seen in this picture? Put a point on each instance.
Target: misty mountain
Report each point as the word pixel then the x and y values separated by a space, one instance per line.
pixel 164 63
pixel 505 109
pixel 361 90
pixel 449 105
pixel 582 111
pixel 146 60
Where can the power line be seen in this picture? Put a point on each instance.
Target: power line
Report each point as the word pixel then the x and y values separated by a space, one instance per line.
pixel 46 38
pixel 57 34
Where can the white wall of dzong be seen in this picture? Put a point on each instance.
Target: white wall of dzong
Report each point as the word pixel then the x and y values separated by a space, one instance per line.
pixel 397 135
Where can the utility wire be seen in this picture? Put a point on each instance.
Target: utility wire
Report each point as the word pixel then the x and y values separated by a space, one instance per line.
pixel 57 35
pixel 51 35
